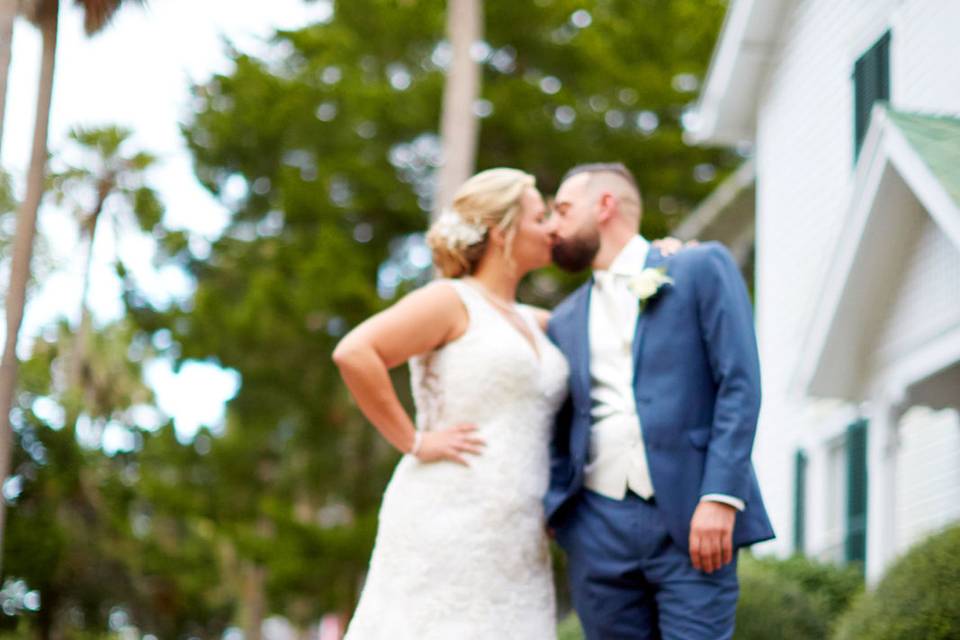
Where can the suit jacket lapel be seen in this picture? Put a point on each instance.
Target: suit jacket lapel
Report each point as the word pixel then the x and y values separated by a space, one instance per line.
pixel 654 259
pixel 581 344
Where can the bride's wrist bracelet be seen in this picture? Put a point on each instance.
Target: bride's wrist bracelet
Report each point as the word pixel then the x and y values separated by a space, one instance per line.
pixel 417 443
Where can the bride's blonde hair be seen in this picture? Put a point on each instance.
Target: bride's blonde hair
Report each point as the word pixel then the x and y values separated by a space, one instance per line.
pixel 490 199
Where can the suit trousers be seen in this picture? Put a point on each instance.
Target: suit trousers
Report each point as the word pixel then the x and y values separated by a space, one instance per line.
pixel 631 581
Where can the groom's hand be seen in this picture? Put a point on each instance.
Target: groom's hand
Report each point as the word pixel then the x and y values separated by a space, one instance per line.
pixel 670 245
pixel 711 536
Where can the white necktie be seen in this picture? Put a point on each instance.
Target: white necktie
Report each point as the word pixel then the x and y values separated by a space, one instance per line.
pixel 610 289
pixel 614 296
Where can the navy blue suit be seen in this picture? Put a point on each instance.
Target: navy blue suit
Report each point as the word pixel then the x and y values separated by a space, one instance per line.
pixel 697 388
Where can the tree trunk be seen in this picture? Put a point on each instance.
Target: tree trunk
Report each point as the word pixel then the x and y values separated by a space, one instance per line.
pixel 47 616
pixel 23 240
pixel 253 600
pixel 459 126
pixel 8 13
pixel 85 328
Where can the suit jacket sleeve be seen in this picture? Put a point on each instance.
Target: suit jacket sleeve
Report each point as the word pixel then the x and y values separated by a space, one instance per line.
pixel 726 326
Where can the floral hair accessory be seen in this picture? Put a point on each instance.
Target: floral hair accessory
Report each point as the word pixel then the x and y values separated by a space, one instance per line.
pixel 457 232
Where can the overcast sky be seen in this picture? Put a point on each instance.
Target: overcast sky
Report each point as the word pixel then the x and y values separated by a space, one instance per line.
pixel 137 74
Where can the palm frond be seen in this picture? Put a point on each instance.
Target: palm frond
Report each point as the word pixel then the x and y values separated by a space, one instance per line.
pixel 98 13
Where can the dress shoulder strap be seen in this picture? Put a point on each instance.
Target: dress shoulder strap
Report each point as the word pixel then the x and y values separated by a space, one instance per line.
pixel 471 298
pixel 530 315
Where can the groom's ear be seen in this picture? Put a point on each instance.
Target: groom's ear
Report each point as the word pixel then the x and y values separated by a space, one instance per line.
pixel 606 207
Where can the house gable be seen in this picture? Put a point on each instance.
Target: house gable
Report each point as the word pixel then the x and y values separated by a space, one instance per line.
pixel 908 173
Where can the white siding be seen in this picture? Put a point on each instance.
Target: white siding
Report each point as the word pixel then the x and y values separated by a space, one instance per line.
pixel 928 474
pixel 804 159
pixel 804 163
pixel 925 75
pixel 928 297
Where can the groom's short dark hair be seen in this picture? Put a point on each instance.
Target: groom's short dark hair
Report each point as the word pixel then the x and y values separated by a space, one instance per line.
pixel 617 168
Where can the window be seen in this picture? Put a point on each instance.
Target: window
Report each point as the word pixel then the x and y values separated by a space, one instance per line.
pixel 871 82
pixel 855 542
pixel 835 529
pixel 799 502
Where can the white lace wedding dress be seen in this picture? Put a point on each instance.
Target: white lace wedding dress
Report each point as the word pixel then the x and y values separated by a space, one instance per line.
pixel 461 552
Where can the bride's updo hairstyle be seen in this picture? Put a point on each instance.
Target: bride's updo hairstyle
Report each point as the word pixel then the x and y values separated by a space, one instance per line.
pixel 490 199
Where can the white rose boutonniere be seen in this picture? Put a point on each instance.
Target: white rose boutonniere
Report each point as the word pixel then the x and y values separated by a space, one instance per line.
pixel 647 284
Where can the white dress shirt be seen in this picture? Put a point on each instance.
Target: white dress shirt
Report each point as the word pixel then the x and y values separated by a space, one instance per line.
pixel 617 458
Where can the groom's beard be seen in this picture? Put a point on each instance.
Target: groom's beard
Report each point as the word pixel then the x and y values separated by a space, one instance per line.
pixel 576 253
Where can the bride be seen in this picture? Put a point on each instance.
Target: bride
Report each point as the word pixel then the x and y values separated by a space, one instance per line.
pixel 461 550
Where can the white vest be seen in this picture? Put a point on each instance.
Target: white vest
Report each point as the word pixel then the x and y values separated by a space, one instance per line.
pixel 617 459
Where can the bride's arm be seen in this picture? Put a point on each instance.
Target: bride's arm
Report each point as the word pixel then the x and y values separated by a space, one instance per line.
pixel 421 321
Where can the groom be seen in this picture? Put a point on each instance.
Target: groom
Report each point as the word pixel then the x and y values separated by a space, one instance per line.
pixel 651 486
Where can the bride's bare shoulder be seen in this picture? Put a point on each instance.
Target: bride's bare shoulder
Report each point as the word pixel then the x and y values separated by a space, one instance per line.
pixel 439 296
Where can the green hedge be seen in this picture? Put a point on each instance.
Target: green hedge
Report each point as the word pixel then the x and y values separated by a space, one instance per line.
pixel 792 599
pixel 918 598
pixel 833 587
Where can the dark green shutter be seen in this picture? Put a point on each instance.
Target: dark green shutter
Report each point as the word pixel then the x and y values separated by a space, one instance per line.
pixel 799 502
pixel 856 534
pixel 871 82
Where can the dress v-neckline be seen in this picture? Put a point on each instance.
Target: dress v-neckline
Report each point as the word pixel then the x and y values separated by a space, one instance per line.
pixel 530 341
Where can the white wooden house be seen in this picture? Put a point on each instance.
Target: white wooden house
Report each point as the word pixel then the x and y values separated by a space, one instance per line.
pixel 852 111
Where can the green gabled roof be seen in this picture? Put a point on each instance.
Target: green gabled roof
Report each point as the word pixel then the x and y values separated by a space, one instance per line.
pixel 936 140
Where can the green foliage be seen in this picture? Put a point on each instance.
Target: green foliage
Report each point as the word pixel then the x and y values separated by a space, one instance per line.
pixel 794 599
pixel 68 533
pixel 570 629
pixel 107 169
pixel 833 586
pixel 919 597
pixel 92 531
pixel 8 203
pixel 574 95
pixel 41 264
pixel 8 206
pixel 182 563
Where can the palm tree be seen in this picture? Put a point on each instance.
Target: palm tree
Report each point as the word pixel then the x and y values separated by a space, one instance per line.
pixel 45 15
pixel 459 126
pixel 108 172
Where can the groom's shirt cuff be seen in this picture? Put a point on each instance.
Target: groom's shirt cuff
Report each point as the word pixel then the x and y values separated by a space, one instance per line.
pixel 736 503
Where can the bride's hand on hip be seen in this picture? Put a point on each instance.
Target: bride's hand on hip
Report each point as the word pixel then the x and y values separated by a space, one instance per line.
pixel 450 444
